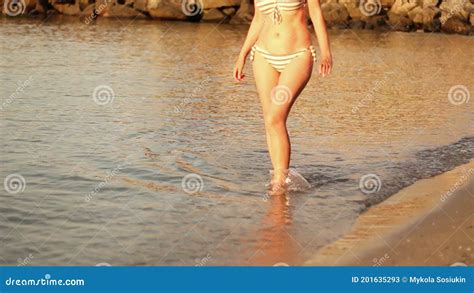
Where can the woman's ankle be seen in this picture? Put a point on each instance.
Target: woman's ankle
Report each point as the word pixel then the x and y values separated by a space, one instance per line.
pixel 279 175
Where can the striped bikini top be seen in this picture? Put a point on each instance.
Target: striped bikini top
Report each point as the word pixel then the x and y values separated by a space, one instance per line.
pixel 275 6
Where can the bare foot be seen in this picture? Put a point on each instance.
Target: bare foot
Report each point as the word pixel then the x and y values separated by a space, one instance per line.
pixel 277 189
pixel 278 182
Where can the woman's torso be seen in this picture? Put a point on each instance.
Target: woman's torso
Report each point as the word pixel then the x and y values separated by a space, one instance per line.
pixel 286 34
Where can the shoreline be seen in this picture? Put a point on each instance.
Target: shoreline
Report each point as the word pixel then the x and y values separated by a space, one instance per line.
pixel 429 223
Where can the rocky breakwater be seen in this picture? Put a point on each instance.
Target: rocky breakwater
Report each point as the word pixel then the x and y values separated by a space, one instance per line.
pixel 449 16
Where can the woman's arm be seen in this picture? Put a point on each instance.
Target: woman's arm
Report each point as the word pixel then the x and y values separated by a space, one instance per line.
pixel 250 40
pixel 319 24
pixel 252 34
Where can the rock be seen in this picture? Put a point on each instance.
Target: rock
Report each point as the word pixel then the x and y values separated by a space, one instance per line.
pixel 42 6
pixel 346 2
pixel 83 4
pixel 30 5
pixel 412 13
pixel 141 5
pixel 402 7
pixel 168 9
pixel 213 14
pixel 335 14
pixel 354 11
pixel 245 13
pixel 45 7
pixel 112 8
pixel 229 11
pixel 356 24
pixel 455 25
pixel 123 11
pixel 375 22
pixel 470 6
pixel 416 16
pixel 418 19
pixel 208 4
pixel 458 8
pixel 431 22
pixel 100 7
pixel 471 19
pixel 430 3
pixel 387 3
pixel 66 9
pixel 89 13
pixel 400 22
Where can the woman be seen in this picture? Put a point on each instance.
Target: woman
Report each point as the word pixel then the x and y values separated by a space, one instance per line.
pixel 279 44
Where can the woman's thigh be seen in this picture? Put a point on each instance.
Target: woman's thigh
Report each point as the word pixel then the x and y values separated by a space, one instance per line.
pixel 291 83
pixel 266 79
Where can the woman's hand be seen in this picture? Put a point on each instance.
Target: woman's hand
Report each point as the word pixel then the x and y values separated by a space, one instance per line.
pixel 325 66
pixel 239 69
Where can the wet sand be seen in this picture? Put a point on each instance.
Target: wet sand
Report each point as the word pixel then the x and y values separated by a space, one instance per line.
pixel 428 223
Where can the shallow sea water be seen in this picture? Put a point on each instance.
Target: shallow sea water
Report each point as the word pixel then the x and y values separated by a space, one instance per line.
pixel 171 169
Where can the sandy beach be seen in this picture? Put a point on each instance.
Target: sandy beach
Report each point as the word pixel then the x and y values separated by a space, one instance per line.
pixel 428 223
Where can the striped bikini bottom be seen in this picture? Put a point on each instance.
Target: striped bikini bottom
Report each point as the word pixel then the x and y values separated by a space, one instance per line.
pixel 279 62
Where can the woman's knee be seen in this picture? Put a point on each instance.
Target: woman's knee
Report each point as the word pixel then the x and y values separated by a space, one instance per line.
pixel 275 122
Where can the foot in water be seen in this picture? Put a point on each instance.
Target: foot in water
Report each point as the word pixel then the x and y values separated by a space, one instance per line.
pixel 287 180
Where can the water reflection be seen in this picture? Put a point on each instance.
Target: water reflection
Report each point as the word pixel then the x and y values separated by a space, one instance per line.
pixel 275 245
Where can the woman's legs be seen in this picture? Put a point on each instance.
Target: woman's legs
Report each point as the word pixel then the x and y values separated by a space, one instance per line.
pixel 278 92
pixel 291 83
pixel 266 78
